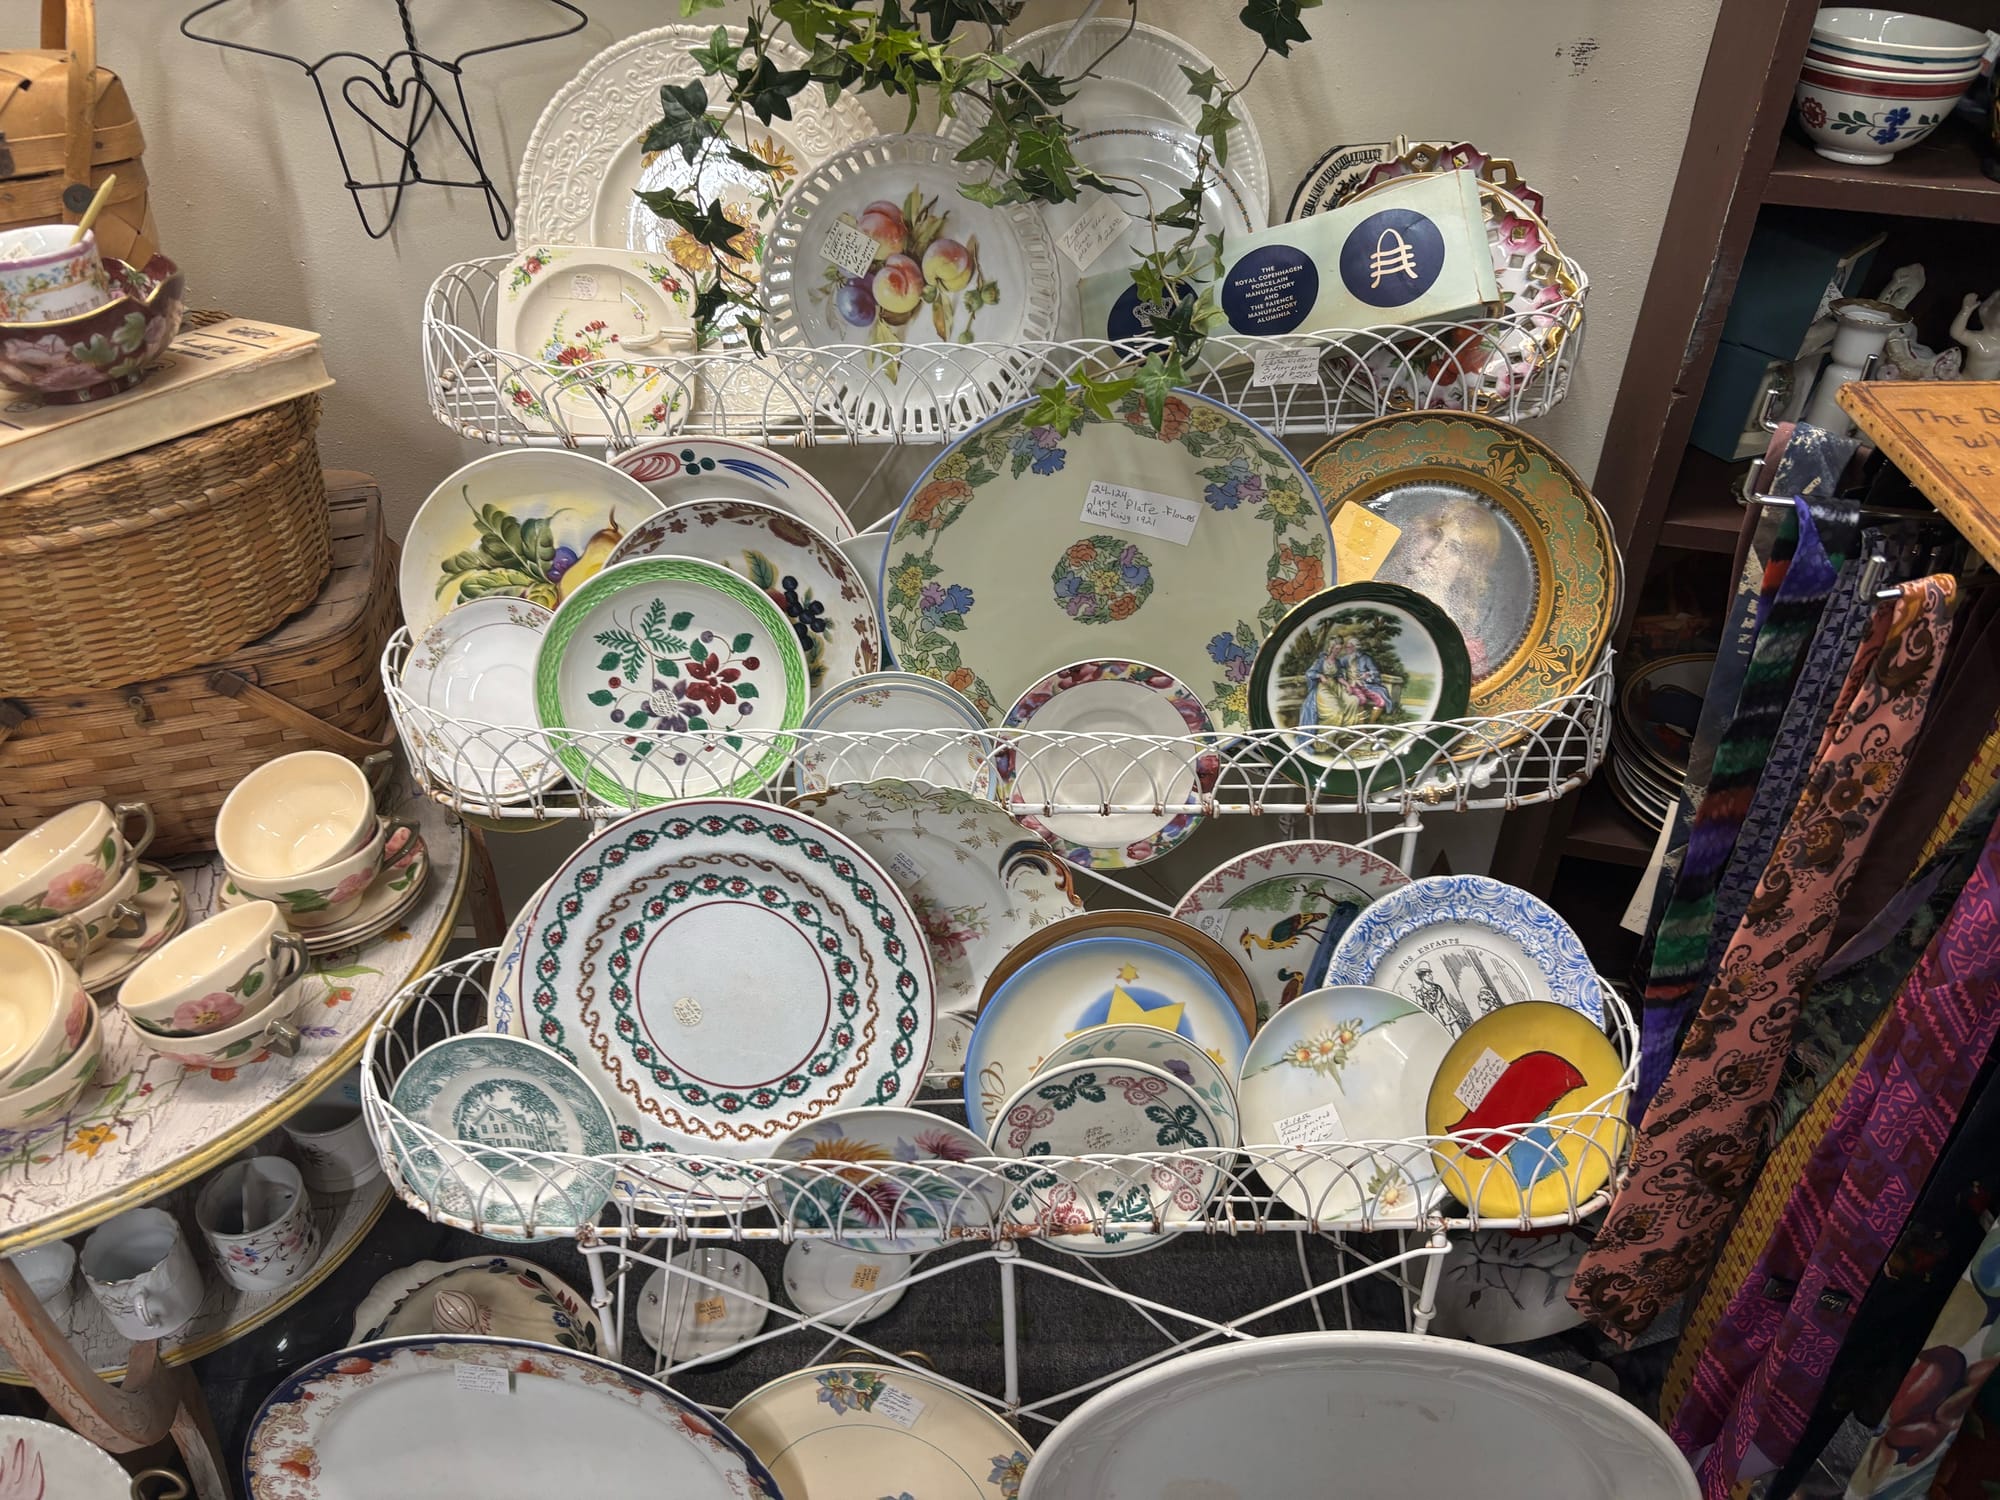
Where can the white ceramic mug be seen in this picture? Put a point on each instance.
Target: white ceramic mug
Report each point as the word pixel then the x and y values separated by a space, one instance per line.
pixel 142 1272
pixel 50 1271
pixel 330 1137
pixel 257 1218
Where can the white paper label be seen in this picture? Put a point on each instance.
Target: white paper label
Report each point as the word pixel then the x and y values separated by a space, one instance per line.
pixel 1144 512
pixel 582 287
pixel 903 869
pixel 489 1380
pixel 1285 367
pixel 1480 1078
pixel 1303 1129
pixel 898 1405
pixel 1103 224
pixel 847 247
pixel 1214 923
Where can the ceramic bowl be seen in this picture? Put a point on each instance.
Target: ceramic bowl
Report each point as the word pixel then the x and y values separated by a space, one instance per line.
pixel 218 973
pixel 248 1041
pixel 1865 123
pixel 90 355
pixel 330 894
pixel 295 814
pixel 51 1095
pixel 41 1010
pixel 64 863
pixel 115 913
pixel 1821 57
pixel 47 272
pixel 1864 34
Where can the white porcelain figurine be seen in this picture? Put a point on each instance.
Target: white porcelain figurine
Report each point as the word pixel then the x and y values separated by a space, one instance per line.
pixel 1982 349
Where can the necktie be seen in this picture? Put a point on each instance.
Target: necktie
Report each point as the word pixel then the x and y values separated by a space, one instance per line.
pixel 1697 1150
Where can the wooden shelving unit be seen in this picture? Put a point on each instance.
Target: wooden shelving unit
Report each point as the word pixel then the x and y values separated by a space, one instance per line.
pixel 1935 179
pixel 1703 512
pixel 1602 831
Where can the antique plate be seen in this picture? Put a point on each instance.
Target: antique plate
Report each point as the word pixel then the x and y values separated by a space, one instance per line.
pixel 1362 654
pixel 40 1458
pixel 474 668
pixel 649 622
pixel 797 983
pixel 694 1319
pixel 1146 927
pixel 1658 707
pixel 677 470
pixel 938 261
pixel 1154 160
pixel 1116 1109
pixel 579 309
pixel 1344 1064
pixel 1041 766
pixel 1158 1048
pixel 1463 946
pixel 865 550
pixel 882 1178
pixel 503 985
pixel 862 736
pixel 410 1417
pixel 1091 982
pixel 821 1276
pixel 1530 1097
pixel 507 1298
pixel 1501 1286
pixel 1336 177
pixel 162 913
pixel 1499 533
pixel 845 1432
pixel 977 881
pixel 1014 553
pixel 1271 908
pixel 529 523
pixel 803 574
pixel 1389 1413
pixel 485 1089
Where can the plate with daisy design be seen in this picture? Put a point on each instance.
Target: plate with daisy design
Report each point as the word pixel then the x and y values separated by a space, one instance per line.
pixel 883 1180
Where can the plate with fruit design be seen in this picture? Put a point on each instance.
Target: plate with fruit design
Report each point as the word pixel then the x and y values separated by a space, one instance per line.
pixel 905 286
pixel 531 523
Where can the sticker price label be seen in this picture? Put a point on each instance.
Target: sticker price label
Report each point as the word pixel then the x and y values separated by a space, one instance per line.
pixel 1103 224
pixel 1480 1078
pixel 489 1380
pixel 847 247
pixel 1362 541
pixel 710 1310
pixel 1141 512
pixel 903 869
pixel 582 287
pixel 865 1277
pixel 1285 367
pixel 1308 1126
pixel 898 1405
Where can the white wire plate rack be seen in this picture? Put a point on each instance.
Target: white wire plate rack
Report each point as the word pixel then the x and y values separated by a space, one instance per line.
pixel 1513 367
pixel 1514 760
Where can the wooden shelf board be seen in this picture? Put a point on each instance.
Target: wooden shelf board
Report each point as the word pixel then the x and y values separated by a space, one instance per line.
pixel 1935 179
pixel 1602 832
pixel 1703 513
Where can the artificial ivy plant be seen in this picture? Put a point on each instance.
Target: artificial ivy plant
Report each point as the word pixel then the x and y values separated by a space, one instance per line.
pixel 951 54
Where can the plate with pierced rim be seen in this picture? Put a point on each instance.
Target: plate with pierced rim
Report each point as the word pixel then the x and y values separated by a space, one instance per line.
pixel 1042 766
pixel 1158 1048
pixel 884 1180
pixel 1344 1064
pixel 801 572
pixel 483 1294
pixel 473 676
pixel 1464 946
pixel 880 334
pixel 667 660
pixel 724 972
pixel 835 1432
pixel 1090 982
pixel 1129 1113
pixel 1498 532
pixel 677 470
pixel 894 726
pixel 1271 907
pixel 410 1417
pixel 1142 926
pixel 977 880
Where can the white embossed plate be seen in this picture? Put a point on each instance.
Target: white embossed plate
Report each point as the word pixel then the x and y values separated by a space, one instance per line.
pixel 477 664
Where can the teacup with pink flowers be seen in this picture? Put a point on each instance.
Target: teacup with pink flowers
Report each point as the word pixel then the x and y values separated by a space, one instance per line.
pixel 70 861
pixel 329 894
pixel 114 913
pixel 215 975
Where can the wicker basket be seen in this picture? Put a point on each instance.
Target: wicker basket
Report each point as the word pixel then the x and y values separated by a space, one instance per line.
pixel 181 742
pixel 150 564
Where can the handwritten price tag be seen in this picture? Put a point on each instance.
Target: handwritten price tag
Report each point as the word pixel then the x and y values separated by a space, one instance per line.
pixel 1142 512
pixel 865 1276
pixel 1103 224
pixel 1308 1126
pixel 847 247
pixel 898 1405
pixel 487 1380
pixel 583 287
pixel 903 869
pixel 1285 367
pixel 710 1310
pixel 1361 543
pixel 1480 1078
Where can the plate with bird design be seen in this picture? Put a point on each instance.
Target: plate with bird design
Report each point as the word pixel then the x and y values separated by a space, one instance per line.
pixel 1271 908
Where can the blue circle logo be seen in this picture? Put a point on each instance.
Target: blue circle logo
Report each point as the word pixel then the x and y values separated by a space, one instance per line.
pixel 1392 258
pixel 1270 290
pixel 1127 319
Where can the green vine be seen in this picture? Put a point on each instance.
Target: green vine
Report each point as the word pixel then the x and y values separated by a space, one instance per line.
pixel 949 53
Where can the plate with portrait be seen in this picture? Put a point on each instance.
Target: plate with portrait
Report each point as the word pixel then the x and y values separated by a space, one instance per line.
pixel 1346 665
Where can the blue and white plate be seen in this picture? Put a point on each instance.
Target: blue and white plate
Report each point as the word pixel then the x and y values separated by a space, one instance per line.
pixel 1462 946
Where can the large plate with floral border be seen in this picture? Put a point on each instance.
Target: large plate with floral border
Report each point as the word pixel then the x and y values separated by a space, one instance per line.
pixel 836 1431
pixel 978 882
pixel 1146 927
pixel 1462 946
pixel 530 523
pixel 411 1416
pixel 1127 702
pixel 1015 552
pixel 725 972
pixel 1093 981
pixel 668 660
pixel 1500 534
pixel 1272 907
pixel 932 272
pixel 883 1179
pixel 677 470
pixel 801 572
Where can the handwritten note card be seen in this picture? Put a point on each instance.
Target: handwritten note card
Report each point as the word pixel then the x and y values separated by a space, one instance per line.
pixel 1142 512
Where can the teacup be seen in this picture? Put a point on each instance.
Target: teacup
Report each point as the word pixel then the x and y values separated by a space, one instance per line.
pixel 248 1041
pixel 51 1096
pixel 50 1271
pixel 330 1138
pixel 325 896
pixel 280 1245
pixel 43 1011
pixel 295 814
pixel 115 914
pixel 44 275
pixel 140 1269
pixel 216 974
pixel 66 862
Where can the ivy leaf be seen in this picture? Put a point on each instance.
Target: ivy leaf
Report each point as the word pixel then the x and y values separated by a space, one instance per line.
pixel 769 89
pixel 685 124
pixel 749 159
pixel 1277 22
pixel 721 54
pixel 1185 211
pixel 1048 90
pixel 1053 407
pixel 741 642
pixel 1214 124
pixel 696 7
pixel 1102 393
pixel 989 143
pixel 1044 164
pixel 1204 84
pixel 946 15
pixel 682 620
pixel 1156 380
pixel 608 662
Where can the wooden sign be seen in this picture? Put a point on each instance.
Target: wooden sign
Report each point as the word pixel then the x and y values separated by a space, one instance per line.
pixel 1945 436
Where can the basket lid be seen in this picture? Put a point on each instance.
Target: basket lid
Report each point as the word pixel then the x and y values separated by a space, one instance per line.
pixel 31 141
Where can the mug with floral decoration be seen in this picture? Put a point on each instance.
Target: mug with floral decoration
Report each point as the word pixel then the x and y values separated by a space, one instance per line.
pixel 257 1218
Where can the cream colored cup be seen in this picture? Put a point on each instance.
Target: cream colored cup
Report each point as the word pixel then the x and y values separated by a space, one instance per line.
pixel 51 1098
pixel 216 974
pixel 295 814
pixel 50 1271
pixel 65 863
pixel 330 894
pixel 248 1041
pixel 43 1009
pixel 115 914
